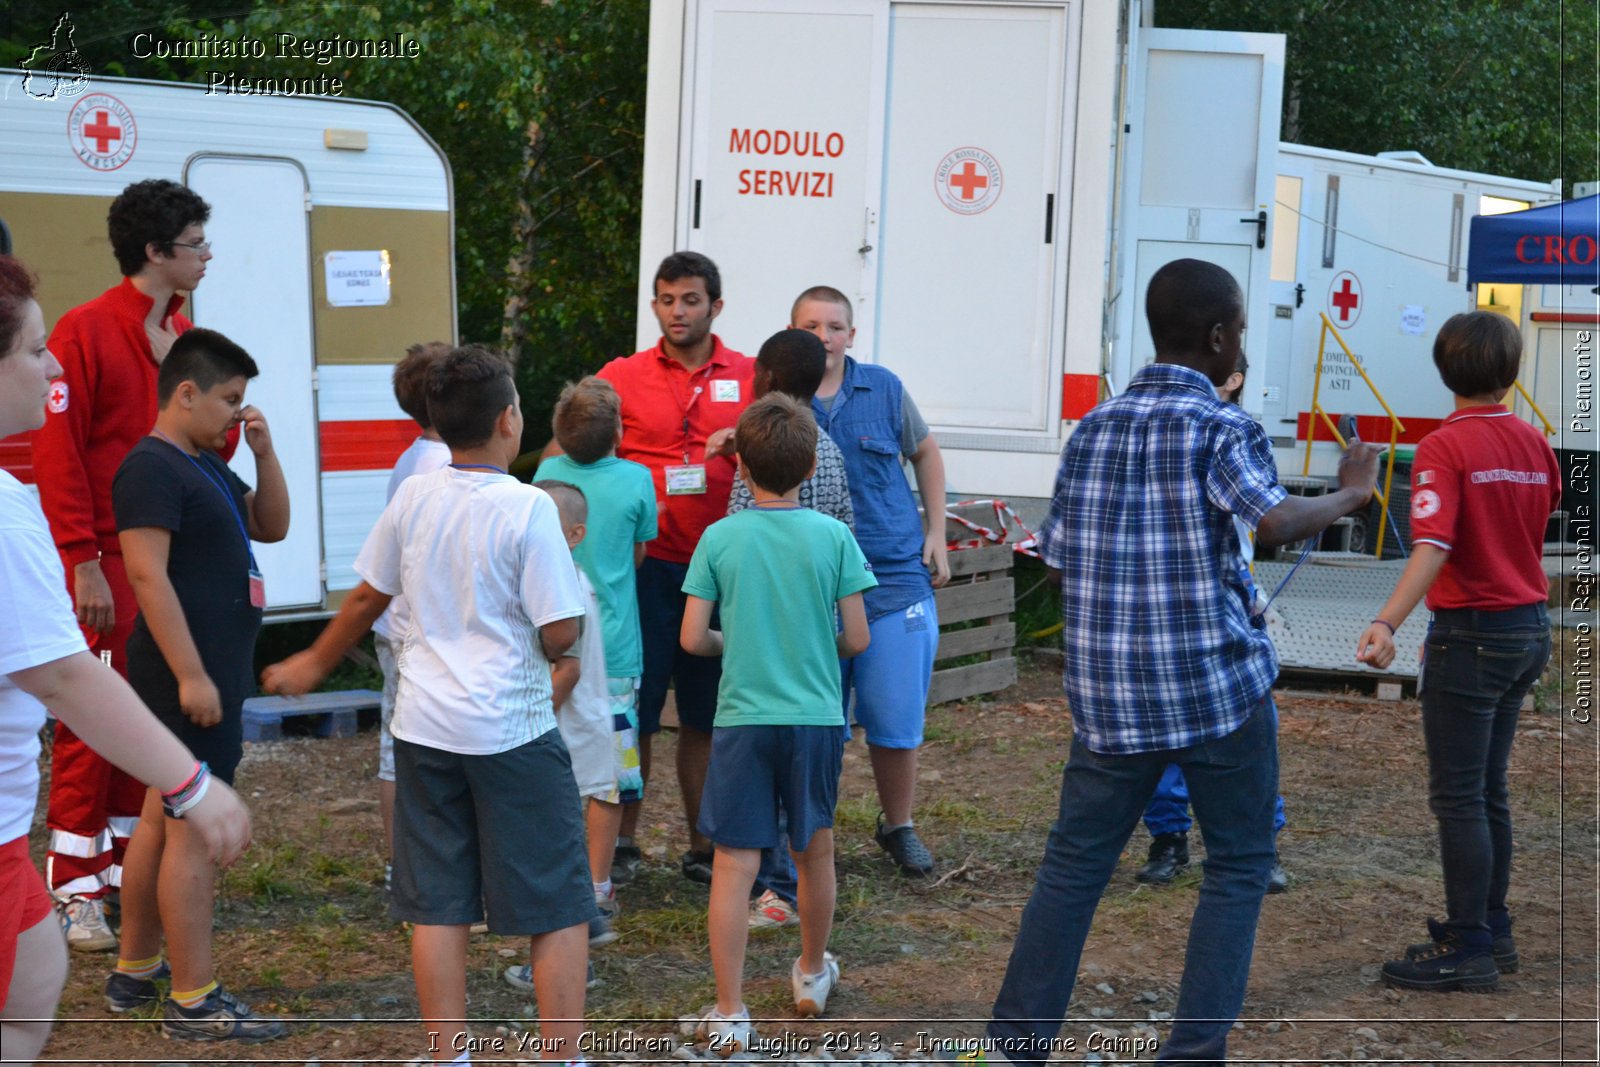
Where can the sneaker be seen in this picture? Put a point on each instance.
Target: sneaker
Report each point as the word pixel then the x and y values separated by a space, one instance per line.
pixel 726 1035
pixel 1504 952
pixel 520 976
pixel 625 864
pixel 127 993
pixel 220 1017
pixel 770 911
pixel 84 920
pixel 905 848
pixel 111 908
pixel 479 927
pixel 1443 966
pixel 1169 854
pixel 1277 878
pixel 600 932
pixel 811 990
pixel 696 866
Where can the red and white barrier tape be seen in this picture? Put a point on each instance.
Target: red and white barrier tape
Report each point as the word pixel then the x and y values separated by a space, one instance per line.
pixel 1005 518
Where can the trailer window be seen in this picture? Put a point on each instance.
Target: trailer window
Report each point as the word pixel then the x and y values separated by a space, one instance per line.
pixel 1285 228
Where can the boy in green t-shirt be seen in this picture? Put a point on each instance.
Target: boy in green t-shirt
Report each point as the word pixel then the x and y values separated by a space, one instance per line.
pixel 775 571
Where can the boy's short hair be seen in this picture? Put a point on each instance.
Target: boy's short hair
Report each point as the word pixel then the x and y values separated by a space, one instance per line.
pixel 586 418
pixel 467 390
pixel 681 265
pixel 1185 299
pixel 778 442
pixel 17 286
pixel 1477 352
pixel 828 294
pixel 571 502
pixel 203 357
pixel 795 361
pixel 154 210
pixel 411 379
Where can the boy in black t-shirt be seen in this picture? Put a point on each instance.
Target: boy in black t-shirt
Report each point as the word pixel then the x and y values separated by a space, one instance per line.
pixel 185 522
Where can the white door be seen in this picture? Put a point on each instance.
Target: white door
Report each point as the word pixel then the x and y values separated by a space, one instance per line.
pixel 974 199
pixel 1199 174
pixel 786 145
pixel 257 291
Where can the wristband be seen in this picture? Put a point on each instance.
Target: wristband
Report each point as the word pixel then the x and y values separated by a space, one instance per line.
pixel 182 800
pixel 1386 623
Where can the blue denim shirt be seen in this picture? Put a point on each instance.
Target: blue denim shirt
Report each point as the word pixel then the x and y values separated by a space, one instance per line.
pixel 865 423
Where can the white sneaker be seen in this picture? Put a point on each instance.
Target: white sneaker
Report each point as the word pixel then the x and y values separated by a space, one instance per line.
pixel 84 921
pixel 770 911
pixel 726 1034
pixel 811 990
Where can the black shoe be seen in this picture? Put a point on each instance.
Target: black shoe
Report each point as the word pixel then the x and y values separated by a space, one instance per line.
pixel 1169 854
pixel 1277 878
pixel 905 848
pixel 1443 966
pixel 696 866
pixel 127 993
pixel 1504 953
pixel 219 1018
pixel 625 864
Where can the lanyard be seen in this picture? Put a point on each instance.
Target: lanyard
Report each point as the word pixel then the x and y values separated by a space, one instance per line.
pixel 478 467
pixel 687 407
pixel 221 487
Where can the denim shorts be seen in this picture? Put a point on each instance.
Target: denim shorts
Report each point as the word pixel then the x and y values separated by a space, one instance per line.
pixel 889 681
pixel 754 769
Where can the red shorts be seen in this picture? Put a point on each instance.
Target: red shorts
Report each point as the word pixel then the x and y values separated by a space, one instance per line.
pixel 24 903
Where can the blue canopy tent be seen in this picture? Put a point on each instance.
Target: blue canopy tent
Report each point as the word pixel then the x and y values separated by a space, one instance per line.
pixel 1558 244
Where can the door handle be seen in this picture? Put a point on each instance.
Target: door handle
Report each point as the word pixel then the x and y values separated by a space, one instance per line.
pixel 1260 219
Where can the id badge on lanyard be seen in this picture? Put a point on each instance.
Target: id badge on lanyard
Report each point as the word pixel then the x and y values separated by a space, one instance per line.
pixel 687 479
pixel 258 588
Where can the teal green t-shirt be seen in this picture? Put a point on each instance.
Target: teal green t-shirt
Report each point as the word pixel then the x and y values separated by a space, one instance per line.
pixel 622 513
pixel 775 575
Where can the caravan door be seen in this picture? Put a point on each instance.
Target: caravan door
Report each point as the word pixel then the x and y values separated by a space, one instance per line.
pixel 257 291
pixel 1199 175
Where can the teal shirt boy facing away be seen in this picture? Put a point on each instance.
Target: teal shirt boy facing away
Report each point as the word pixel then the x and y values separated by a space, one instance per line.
pixel 777 573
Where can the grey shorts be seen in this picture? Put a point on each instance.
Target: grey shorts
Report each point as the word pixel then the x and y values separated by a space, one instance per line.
pixel 502 832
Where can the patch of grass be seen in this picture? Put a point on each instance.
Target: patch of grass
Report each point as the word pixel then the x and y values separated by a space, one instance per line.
pixel 272 877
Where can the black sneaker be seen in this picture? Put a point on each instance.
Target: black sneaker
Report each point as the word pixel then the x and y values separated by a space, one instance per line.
pixel 220 1017
pixel 905 848
pixel 625 864
pixel 127 993
pixel 1169 854
pixel 696 866
pixel 1444 966
pixel 1277 878
pixel 1504 952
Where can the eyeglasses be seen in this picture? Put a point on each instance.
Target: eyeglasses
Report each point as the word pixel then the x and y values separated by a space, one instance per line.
pixel 199 246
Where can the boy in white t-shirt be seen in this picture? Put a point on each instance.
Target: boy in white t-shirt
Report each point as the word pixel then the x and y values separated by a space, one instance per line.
pixel 427 453
pixel 478 760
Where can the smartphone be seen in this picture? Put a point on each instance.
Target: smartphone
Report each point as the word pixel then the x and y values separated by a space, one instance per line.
pixel 1347 428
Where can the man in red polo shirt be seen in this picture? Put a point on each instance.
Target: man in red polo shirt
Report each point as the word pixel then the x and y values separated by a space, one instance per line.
pixel 674 396
pixel 110 350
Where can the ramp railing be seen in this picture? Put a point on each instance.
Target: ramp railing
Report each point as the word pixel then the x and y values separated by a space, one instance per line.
pixel 1549 430
pixel 1396 427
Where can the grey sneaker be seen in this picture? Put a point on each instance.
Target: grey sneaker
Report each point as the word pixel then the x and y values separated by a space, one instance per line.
pixel 126 993
pixel 84 921
pixel 600 932
pixel 625 863
pixel 220 1017
pixel 726 1035
pixel 520 976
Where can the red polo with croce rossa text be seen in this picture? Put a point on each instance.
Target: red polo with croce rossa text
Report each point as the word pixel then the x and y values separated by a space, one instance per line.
pixel 1483 486
pixel 668 411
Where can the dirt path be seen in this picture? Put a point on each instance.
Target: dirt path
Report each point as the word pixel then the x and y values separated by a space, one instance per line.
pixel 302 930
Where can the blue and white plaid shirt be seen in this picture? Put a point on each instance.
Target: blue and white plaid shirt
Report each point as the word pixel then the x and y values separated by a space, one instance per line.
pixel 1160 653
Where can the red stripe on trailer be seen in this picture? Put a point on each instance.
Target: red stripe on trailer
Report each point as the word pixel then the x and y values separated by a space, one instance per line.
pixel 16 456
pixel 1564 316
pixel 367 445
pixel 1079 393
pixel 1373 428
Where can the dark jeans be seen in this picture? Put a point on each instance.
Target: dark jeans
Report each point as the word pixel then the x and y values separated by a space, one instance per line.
pixel 1477 668
pixel 1233 783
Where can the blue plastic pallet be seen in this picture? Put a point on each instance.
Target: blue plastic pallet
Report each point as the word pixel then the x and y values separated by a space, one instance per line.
pixel 263 716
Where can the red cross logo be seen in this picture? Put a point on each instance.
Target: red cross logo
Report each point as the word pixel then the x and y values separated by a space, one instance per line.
pixel 1344 298
pixel 969 181
pixel 58 396
pixel 102 132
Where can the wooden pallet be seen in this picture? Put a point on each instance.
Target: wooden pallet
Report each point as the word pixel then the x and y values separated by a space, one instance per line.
pixel 338 711
pixel 981 591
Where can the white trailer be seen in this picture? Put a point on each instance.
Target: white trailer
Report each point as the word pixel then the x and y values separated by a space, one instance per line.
pixel 334 250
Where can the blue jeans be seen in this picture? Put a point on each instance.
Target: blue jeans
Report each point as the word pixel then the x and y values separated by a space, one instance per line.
pixel 1232 782
pixel 1478 666
pixel 1168 810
